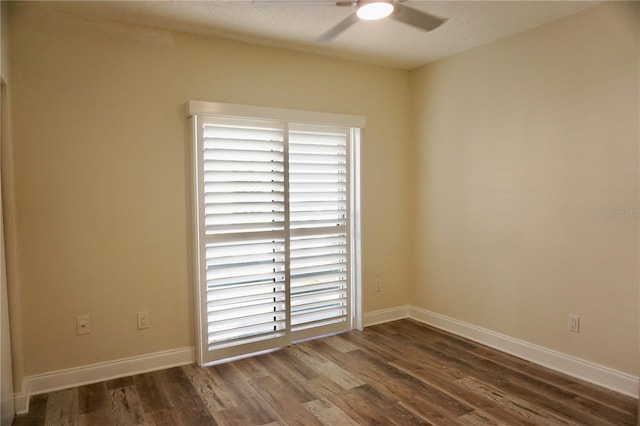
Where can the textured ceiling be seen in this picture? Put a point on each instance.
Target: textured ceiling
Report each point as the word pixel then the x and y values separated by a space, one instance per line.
pixel 296 26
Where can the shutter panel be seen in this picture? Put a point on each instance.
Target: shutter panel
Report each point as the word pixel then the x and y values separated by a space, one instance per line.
pixel 244 220
pixel 318 203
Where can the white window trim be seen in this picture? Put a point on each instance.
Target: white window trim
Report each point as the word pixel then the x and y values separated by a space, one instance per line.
pixel 194 108
pixel 236 110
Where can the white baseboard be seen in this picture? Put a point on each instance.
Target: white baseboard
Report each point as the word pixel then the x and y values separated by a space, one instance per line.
pixel 61 379
pixel 385 315
pixel 594 373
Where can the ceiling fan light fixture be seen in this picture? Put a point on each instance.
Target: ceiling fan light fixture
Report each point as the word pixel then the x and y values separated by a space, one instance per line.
pixel 373 10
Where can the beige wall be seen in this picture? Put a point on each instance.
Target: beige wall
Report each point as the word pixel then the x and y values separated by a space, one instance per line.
pixel 522 148
pixel 495 216
pixel 101 164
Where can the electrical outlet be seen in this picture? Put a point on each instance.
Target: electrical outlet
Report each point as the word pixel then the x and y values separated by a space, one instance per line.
pixel 83 324
pixel 378 284
pixel 573 323
pixel 143 320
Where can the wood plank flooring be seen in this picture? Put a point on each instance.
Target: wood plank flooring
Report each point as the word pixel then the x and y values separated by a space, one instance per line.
pixel 399 373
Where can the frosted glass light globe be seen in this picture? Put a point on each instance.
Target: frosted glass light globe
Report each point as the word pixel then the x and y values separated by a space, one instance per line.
pixel 374 10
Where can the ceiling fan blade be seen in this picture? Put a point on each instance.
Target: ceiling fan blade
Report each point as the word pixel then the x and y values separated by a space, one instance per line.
pixel 340 27
pixel 416 18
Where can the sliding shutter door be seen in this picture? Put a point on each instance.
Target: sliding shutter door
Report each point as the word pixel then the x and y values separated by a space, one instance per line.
pixel 243 189
pixel 319 229
pixel 273 229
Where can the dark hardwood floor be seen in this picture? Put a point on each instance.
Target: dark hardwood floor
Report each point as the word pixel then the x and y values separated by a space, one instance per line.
pixel 396 373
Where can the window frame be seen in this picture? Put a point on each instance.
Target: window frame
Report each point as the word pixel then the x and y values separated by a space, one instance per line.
pixel 195 110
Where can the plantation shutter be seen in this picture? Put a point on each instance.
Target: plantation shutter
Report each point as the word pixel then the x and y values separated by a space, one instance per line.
pixel 244 217
pixel 274 231
pixel 319 228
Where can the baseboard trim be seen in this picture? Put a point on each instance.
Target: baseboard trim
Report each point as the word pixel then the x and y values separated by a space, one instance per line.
pixel 62 379
pixel 594 373
pixel 385 315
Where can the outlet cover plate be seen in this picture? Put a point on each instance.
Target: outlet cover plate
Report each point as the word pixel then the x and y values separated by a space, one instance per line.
pixel 83 324
pixel 573 323
pixel 143 320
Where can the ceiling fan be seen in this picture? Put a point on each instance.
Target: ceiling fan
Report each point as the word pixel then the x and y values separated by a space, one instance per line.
pixel 366 10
